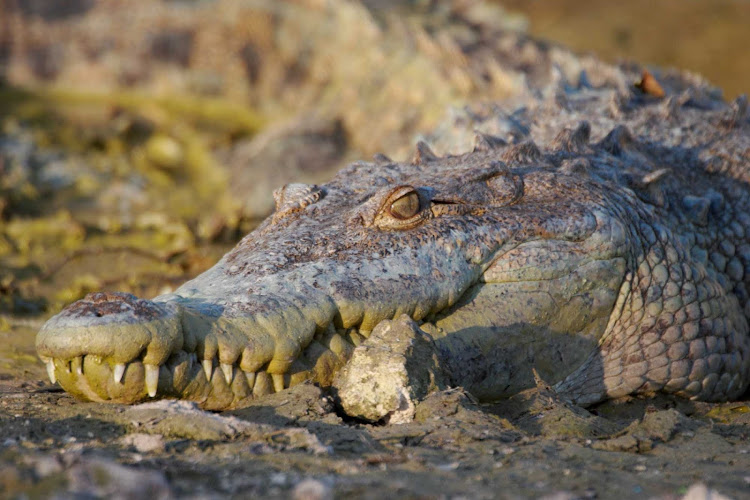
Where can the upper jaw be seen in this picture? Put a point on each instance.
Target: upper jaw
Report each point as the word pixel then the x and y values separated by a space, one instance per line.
pixel 116 325
pixel 253 322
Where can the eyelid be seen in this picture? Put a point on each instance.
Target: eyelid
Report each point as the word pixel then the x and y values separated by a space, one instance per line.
pixel 399 193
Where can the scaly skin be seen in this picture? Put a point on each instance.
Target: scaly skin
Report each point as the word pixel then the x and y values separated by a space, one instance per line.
pixel 612 258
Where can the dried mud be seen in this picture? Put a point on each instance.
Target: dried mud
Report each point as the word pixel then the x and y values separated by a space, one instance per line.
pixel 296 444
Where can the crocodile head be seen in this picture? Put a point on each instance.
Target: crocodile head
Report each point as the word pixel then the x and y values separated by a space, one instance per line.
pixel 499 240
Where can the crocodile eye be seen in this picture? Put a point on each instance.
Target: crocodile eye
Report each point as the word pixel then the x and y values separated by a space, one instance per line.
pixel 405 207
pixel 400 209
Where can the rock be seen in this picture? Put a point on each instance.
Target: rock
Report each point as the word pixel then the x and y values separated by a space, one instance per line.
pixel 164 151
pixel 106 479
pixel 640 437
pixel 305 149
pixel 183 419
pixel 389 373
pixel 297 438
pixel 311 489
pixel 662 425
pixel 144 443
pixel 702 492
pixel 299 403
pixel 561 495
pixel 46 465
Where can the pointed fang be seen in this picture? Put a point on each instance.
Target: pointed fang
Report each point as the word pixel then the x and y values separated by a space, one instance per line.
pixel 278 381
pixel 152 378
pixel 78 362
pixel 51 371
pixel 208 368
pixel 119 372
pixel 227 369
pixel 250 379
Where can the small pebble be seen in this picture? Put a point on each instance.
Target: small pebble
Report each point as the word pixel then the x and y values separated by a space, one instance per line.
pixel 311 489
pixel 144 443
pixel 702 492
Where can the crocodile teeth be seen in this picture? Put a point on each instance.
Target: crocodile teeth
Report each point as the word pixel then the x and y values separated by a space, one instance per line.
pixel 152 378
pixel 78 362
pixel 262 385
pixel 119 372
pixel 208 367
pixel 227 369
pixel 51 371
pixel 250 379
pixel 278 381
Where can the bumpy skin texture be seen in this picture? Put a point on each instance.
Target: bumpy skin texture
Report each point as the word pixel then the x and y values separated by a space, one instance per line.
pixel 601 237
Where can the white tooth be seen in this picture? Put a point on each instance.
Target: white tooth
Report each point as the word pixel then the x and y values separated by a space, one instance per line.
pixel 208 367
pixel 278 381
pixel 227 369
pixel 152 378
pixel 250 379
pixel 51 371
pixel 79 365
pixel 119 372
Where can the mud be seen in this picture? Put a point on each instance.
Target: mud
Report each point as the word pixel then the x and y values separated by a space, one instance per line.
pixel 297 444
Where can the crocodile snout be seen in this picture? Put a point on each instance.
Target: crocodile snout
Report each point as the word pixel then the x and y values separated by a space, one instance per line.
pixel 116 330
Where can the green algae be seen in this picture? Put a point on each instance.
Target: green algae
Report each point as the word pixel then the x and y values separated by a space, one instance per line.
pixel 143 187
pixel 167 141
pixel 728 412
pixel 219 114
pixel 32 237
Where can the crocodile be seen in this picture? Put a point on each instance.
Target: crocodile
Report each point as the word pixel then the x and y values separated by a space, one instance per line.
pixel 598 233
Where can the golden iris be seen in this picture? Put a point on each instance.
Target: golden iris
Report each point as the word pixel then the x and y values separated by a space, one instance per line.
pixel 405 207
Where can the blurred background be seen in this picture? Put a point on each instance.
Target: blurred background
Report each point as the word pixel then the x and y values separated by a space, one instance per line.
pixel 140 140
pixel 710 37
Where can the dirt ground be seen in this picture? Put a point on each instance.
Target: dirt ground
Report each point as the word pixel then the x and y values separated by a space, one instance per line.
pixel 296 444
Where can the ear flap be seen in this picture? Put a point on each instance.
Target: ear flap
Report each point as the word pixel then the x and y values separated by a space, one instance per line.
pixel 294 197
